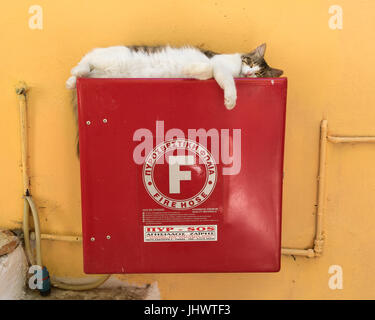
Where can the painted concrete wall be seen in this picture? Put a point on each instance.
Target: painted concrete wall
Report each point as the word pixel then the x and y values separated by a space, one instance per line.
pixel 330 76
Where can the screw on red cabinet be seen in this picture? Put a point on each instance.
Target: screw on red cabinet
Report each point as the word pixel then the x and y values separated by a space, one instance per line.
pixel 172 181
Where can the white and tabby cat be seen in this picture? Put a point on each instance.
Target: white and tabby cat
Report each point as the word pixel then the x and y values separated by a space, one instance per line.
pixel 169 62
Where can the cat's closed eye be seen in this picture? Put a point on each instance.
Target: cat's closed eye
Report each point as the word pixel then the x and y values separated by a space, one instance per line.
pixel 248 62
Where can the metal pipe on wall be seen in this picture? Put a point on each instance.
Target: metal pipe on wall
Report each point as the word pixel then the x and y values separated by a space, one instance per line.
pixel 350 139
pixel 56 237
pixel 317 249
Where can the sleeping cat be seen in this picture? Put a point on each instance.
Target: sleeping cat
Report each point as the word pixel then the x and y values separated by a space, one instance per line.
pixel 169 62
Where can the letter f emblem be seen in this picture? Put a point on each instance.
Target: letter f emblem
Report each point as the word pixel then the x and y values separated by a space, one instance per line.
pixel 175 174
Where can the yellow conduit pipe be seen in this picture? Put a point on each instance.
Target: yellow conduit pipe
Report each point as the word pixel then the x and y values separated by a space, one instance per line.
pixel 352 139
pixel 57 237
pixel 317 249
pixel 298 252
pixel 21 90
pixel 319 236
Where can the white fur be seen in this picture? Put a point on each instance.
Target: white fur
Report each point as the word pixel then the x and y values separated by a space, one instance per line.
pixel 13 268
pixel 186 62
pixel 250 71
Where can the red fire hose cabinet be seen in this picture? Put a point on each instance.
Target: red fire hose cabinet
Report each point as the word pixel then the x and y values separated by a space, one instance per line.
pixel 172 181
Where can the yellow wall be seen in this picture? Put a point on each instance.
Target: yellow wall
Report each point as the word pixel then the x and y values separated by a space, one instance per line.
pixel 330 76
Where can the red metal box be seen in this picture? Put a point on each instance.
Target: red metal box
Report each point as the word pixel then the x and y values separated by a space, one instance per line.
pixel 172 181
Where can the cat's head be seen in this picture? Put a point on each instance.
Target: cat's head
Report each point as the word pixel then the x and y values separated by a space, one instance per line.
pixel 254 65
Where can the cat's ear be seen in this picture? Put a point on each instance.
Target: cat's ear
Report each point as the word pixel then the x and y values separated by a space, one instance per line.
pixel 275 73
pixel 261 50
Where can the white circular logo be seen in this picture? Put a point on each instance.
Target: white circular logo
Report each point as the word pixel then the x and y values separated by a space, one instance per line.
pixel 179 174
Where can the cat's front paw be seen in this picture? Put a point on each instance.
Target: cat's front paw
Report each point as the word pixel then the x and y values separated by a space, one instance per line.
pixel 230 99
pixel 71 82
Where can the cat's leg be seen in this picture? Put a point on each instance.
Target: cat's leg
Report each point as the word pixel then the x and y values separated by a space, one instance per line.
pixel 81 70
pixel 71 82
pixel 225 80
pixel 198 70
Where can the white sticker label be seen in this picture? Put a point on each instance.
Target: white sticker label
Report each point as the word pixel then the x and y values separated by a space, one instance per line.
pixel 180 233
